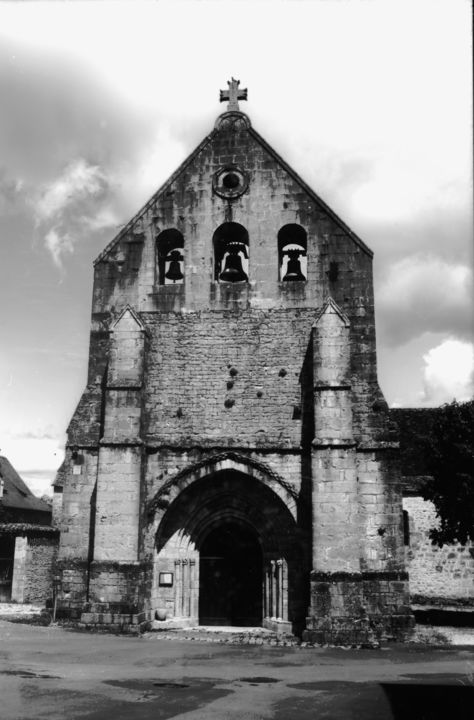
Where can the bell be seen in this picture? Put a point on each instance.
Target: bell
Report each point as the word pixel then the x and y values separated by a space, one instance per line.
pixel 174 270
pixel 233 270
pixel 293 269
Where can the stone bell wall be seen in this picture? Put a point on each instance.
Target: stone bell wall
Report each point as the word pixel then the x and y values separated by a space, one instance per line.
pixel 176 372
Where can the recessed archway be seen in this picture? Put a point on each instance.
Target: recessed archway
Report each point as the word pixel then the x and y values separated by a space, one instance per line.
pixel 228 547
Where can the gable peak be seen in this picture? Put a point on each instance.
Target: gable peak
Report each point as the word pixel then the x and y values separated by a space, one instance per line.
pixel 331 307
pixel 127 320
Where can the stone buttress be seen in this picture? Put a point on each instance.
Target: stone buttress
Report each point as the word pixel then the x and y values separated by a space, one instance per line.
pixel 359 589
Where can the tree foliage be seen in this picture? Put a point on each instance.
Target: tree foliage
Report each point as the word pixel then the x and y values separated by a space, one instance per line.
pixel 450 462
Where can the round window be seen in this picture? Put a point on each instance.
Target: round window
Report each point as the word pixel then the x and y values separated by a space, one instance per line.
pixel 230 182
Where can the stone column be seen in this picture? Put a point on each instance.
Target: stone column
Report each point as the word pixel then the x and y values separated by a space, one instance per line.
pixel 280 589
pixel 186 586
pixel 192 589
pixel 266 595
pixel 284 581
pixel 273 590
pixel 177 588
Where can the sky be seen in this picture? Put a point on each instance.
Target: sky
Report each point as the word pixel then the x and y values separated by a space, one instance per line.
pixel 370 101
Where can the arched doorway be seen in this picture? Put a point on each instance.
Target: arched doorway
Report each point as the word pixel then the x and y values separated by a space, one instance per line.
pixel 228 552
pixel 230 572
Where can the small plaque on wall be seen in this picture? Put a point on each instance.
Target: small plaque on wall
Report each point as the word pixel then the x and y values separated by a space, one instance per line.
pixel 165 579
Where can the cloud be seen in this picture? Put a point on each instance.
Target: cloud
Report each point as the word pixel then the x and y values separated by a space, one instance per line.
pixel 39 481
pixel 69 139
pixel 421 294
pixel 407 182
pixel 448 373
pixel 88 198
pixel 10 191
pixel 71 203
pixel 152 166
pixel 58 245
pixel 32 453
pixel 47 434
pixel 105 217
pixel 79 182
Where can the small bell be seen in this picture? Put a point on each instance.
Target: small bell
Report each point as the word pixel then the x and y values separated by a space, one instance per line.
pixel 293 269
pixel 233 270
pixel 174 270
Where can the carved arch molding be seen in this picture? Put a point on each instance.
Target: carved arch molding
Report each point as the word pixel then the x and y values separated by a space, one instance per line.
pixel 218 463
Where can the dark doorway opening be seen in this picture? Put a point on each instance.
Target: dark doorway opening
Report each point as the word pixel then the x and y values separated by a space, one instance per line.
pixel 230 577
pixel 7 553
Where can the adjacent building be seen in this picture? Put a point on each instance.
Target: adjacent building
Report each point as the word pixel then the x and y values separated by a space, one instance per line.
pixel 28 542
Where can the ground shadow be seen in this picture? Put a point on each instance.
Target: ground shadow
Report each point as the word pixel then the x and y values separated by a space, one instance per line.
pixel 412 701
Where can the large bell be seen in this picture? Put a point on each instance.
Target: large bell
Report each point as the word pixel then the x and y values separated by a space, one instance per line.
pixel 233 270
pixel 293 269
pixel 174 270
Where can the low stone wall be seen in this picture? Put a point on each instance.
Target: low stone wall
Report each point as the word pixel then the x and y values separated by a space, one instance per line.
pixel 35 555
pixel 436 574
pixel 104 617
pixel 40 556
pixel 358 608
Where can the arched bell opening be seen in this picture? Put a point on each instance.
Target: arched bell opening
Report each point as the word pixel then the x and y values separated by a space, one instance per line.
pixel 232 549
pixel 231 253
pixel 169 257
pixel 292 253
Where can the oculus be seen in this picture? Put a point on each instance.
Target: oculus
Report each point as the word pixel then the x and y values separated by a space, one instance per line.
pixel 230 182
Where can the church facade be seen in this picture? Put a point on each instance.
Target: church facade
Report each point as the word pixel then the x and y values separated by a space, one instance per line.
pixel 231 460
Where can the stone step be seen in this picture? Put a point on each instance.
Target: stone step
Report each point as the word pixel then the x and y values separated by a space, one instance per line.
pixel 228 635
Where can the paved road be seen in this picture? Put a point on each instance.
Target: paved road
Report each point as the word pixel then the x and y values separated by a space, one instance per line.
pixel 54 673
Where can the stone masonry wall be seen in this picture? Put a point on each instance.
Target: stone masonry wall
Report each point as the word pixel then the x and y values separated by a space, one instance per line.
pixel 348 610
pixel 118 502
pixel 116 583
pixel 446 572
pixel 380 499
pixel 74 520
pixel 225 378
pixel 40 557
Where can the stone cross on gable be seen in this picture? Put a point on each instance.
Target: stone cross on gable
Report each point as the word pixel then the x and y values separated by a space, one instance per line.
pixel 233 95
